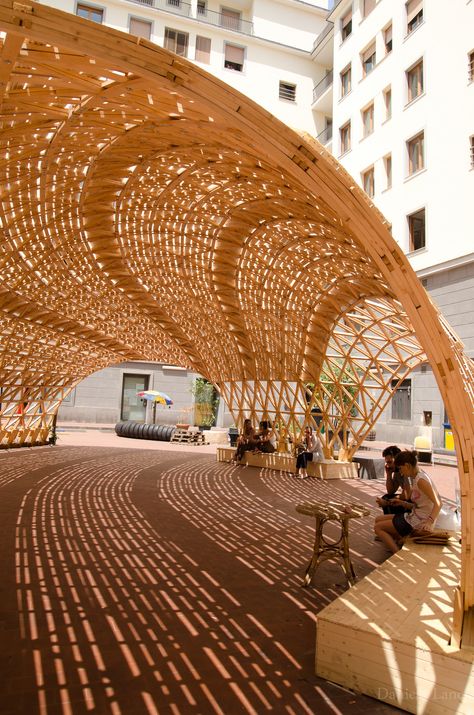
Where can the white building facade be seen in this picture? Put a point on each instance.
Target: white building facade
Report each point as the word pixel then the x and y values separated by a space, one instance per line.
pixel 260 47
pixel 401 104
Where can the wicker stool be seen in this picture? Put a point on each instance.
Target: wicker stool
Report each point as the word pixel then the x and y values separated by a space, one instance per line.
pixel 324 550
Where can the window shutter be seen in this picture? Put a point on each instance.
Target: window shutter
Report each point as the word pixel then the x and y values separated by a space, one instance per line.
pixel 368 53
pixel 230 19
pixel 346 19
pixel 413 8
pixel 203 49
pixel 234 54
pixel 368 6
pixel 388 34
pixel 140 28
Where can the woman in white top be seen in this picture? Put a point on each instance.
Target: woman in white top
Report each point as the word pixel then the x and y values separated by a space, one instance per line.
pixel 313 452
pixel 424 505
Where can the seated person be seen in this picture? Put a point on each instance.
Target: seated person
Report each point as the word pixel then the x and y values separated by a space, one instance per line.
pixel 267 438
pixel 393 482
pixel 312 452
pixel 246 442
pixel 424 506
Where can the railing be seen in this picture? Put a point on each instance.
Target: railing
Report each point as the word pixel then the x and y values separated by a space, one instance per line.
pixel 210 17
pixel 323 34
pixel 325 136
pixel 175 6
pixel 322 86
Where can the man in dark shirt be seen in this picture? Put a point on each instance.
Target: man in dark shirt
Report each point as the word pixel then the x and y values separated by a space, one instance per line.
pixel 393 482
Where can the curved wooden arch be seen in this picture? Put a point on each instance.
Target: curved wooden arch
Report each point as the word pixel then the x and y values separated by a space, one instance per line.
pixel 151 212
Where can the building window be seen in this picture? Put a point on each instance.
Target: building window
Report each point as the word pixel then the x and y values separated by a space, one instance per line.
pixel 387 162
pixel 345 137
pixel 387 38
pixel 368 6
pixel 96 14
pixel 416 229
pixel 368 60
pixel 368 120
pixel 415 81
pixel 345 81
pixel 471 142
pixel 401 400
pixel 202 7
pixel 368 182
pixel 176 41
pixel 416 159
pixel 346 25
pixel 287 91
pixel 387 100
pixel 140 28
pixel 203 49
pixel 234 57
pixel 230 19
pixel 414 14
pixel 471 66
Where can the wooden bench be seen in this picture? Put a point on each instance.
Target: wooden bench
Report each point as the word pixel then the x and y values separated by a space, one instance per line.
pixel 389 635
pixel 285 462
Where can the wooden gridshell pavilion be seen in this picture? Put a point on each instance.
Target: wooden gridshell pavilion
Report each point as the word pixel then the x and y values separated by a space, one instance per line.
pixel 151 212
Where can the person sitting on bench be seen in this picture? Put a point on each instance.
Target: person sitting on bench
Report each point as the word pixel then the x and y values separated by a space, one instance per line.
pixel 393 482
pixel 424 507
pixel 267 438
pixel 246 442
pixel 312 452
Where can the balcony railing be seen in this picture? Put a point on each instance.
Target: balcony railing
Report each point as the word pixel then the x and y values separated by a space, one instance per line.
pixel 324 33
pixel 325 136
pixel 210 17
pixel 322 86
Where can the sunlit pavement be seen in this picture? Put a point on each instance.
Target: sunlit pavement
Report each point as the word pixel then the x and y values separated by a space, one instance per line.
pixel 145 577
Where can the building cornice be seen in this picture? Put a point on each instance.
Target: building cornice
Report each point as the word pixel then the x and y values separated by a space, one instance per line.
pixel 336 10
pixel 446 266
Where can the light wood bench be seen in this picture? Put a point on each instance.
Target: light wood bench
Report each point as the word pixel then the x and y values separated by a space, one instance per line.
pixel 284 462
pixel 389 635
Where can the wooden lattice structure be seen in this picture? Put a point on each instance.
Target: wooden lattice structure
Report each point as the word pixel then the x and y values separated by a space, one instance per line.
pixel 149 211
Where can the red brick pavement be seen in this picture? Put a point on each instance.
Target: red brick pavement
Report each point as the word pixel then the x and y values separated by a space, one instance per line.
pixel 150 580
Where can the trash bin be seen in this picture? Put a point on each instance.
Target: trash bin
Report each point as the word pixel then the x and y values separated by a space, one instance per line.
pixel 233 435
pixel 448 436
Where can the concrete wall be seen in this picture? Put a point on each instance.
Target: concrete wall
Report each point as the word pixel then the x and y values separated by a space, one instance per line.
pixel 98 398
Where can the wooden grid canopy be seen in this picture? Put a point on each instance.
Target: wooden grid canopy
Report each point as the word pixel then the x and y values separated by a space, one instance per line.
pixel 151 212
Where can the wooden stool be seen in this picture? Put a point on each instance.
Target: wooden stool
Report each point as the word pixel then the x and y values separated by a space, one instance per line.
pixel 324 550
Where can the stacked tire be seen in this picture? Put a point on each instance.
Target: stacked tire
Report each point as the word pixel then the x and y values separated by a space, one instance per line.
pixel 140 430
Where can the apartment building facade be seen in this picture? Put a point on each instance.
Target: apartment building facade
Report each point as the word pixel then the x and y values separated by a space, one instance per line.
pixel 260 47
pixel 400 104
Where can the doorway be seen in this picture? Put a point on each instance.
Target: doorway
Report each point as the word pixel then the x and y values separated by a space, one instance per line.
pixel 133 407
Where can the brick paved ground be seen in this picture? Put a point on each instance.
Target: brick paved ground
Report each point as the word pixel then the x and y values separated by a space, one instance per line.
pixel 154 580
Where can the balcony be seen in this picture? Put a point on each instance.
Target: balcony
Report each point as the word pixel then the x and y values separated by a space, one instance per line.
pixel 210 17
pixel 326 135
pixel 322 94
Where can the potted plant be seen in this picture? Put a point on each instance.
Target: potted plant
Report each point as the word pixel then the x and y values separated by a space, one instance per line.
pixel 206 401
